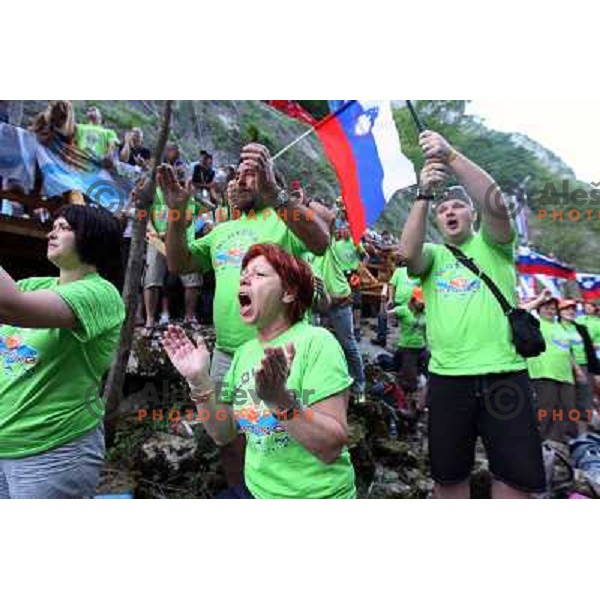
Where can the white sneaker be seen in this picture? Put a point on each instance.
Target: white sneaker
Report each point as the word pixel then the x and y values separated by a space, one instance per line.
pixel 164 319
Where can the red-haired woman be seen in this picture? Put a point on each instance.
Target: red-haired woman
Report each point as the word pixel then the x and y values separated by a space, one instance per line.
pixel 286 390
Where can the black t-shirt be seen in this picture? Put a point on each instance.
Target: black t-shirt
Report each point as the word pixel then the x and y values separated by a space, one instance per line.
pixel 135 152
pixel 202 175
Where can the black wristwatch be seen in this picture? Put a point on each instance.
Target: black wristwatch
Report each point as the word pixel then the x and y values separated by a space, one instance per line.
pixel 423 196
pixel 283 199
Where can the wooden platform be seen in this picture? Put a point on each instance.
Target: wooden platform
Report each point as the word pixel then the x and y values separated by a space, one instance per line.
pixel 23 247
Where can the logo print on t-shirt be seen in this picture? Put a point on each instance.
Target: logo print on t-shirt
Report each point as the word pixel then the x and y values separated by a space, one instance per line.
pixel 16 356
pixel 563 344
pixel 231 250
pixel 456 280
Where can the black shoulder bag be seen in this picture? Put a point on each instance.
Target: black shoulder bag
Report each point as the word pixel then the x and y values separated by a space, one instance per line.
pixel 526 334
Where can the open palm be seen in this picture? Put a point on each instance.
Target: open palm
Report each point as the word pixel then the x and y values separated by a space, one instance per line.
pixel 192 361
pixel 176 195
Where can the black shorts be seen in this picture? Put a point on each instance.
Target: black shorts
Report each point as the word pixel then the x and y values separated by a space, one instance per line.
pixel 497 407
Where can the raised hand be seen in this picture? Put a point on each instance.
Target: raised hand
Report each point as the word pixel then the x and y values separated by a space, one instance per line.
pixel 192 361
pixel 175 194
pixel 271 377
pixel 237 197
pixel 258 157
pixel 432 175
pixel 435 147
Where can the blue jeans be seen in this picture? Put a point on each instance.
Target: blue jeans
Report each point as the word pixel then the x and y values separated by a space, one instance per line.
pixel 69 471
pixel 342 323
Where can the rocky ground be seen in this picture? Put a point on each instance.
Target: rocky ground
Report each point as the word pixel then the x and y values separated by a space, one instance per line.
pixel 154 457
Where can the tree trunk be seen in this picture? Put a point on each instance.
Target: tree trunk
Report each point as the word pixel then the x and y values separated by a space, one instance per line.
pixel 113 391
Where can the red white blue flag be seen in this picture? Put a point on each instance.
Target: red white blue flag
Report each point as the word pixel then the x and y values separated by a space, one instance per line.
pixel 361 141
pixel 534 263
pixel 589 284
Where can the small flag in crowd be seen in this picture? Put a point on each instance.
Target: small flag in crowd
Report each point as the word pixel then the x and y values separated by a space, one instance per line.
pixel 534 263
pixel 589 284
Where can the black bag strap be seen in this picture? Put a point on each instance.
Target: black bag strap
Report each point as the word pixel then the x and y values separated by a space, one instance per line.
pixel 472 266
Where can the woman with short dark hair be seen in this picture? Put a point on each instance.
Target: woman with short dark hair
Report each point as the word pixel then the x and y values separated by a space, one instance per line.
pixel 286 390
pixel 57 339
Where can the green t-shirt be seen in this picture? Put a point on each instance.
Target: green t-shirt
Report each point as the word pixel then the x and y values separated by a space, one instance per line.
pixel 159 216
pixel 223 250
pixel 49 378
pixel 593 325
pixel 467 333
pixel 95 139
pixel 276 465
pixel 403 285
pixel 412 328
pixel 577 344
pixel 555 362
pixel 332 268
pixel 315 263
pixel 348 254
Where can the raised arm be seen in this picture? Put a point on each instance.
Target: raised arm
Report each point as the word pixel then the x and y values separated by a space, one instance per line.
pixel 536 302
pixel 126 149
pixel 40 309
pixel 479 185
pixel 179 257
pixel 307 226
pixel 415 227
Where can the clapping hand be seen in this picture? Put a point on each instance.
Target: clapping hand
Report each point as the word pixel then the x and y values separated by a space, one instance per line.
pixel 191 360
pixel 271 377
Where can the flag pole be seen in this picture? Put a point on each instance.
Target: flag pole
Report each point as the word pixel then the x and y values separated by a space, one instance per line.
pixel 324 120
pixel 293 143
pixel 415 116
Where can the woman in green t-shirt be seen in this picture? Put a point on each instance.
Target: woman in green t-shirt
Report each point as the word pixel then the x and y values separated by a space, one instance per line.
pixel 57 339
pixel 552 373
pixel 286 390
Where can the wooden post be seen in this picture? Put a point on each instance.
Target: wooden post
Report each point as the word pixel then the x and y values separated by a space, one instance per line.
pixel 113 390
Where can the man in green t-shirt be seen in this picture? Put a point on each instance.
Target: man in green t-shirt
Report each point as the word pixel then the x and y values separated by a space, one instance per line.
pixel 96 139
pixel 155 274
pixel 265 213
pixel 478 383
pixel 410 356
pixel 330 268
pixel 349 257
pixel 398 293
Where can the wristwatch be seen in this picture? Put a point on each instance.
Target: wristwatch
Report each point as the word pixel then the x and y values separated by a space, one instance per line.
pixel 423 196
pixel 283 199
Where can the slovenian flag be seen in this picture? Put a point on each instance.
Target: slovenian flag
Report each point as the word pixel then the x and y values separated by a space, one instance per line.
pixel 589 284
pixel 534 263
pixel 361 141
